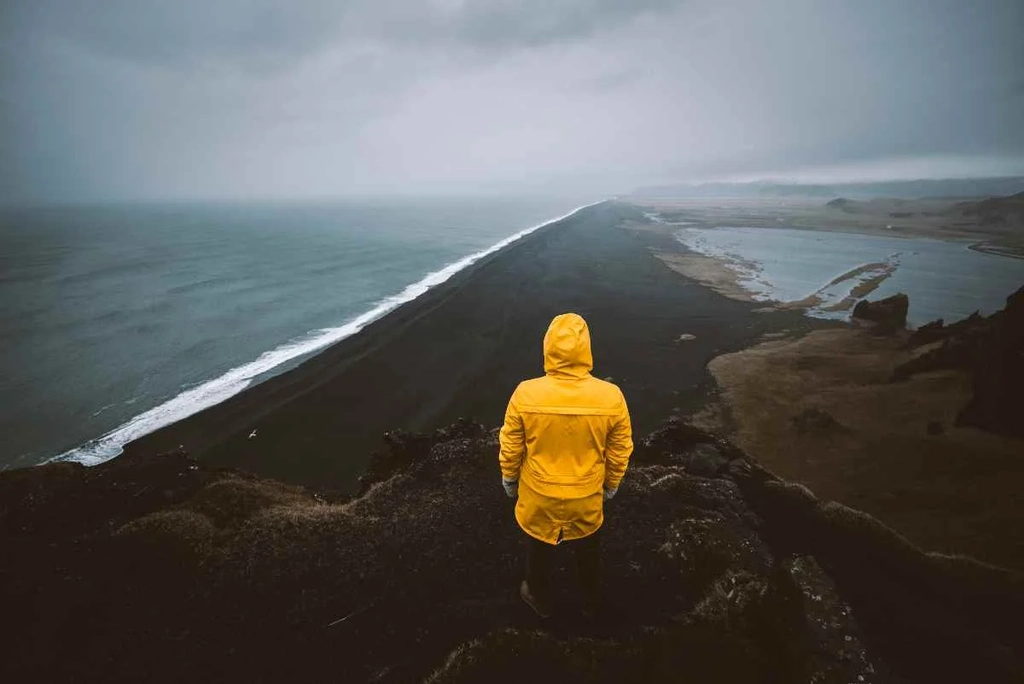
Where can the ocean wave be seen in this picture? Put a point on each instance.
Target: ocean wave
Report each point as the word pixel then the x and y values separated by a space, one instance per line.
pixel 223 387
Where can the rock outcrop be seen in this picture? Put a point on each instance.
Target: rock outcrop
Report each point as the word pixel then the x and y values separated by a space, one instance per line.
pixel 160 568
pixel 999 373
pixel 888 315
pixel 404 449
pixel 992 349
pixel 929 332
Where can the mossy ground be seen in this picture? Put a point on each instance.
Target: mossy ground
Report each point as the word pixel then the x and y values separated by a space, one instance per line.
pixel 161 569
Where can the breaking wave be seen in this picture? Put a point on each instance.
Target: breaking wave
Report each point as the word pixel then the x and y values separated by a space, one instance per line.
pixel 232 382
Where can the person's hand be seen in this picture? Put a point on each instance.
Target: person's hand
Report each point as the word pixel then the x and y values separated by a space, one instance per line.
pixel 511 487
pixel 609 493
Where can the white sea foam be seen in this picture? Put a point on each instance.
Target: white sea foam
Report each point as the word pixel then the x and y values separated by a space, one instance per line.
pixel 232 382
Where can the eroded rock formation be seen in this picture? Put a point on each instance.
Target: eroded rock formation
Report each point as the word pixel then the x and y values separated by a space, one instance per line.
pixel 888 315
pixel 992 349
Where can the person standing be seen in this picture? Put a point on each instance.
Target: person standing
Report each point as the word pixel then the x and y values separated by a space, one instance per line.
pixel 564 449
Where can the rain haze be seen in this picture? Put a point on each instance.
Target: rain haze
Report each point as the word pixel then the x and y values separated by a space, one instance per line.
pixel 251 99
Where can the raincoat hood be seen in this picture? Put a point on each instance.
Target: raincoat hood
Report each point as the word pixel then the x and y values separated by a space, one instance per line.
pixel 567 347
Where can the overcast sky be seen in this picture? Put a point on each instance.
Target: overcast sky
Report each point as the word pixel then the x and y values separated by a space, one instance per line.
pixel 259 98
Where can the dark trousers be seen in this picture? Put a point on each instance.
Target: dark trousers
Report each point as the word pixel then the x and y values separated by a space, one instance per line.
pixel 540 556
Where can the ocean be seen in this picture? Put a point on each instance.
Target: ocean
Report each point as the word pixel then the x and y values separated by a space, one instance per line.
pixel 118 319
pixel 943 279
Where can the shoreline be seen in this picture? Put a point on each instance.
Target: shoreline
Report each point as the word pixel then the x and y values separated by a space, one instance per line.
pixel 459 350
pixel 726 274
pixel 984 247
pixel 724 264
pixel 718 274
pixel 713 272
pixel 240 378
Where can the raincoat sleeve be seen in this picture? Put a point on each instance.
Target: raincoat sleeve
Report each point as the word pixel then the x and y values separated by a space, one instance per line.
pixel 512 438
pixel 618 449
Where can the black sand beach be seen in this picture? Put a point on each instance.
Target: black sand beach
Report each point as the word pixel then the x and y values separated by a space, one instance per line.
pixel 460 349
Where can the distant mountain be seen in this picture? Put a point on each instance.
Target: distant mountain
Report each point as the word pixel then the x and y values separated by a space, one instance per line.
pixel 894 207
pixel 995 210
pixel 842 204
pixel 948 187
pixel 997 221
pixel 992 211
pixel 902 189
pixel 759 189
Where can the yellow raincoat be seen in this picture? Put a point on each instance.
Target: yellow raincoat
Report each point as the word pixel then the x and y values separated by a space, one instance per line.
pixel 566 437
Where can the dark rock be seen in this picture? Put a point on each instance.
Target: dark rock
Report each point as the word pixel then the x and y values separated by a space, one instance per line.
pixel 999 373
pixel 702 582
pixel 403 449
pixel 463 428
pixel 936 330
pixel 702 549
pixel 746 618
pixel 955 353
pixel 973 324
pixel 963 343
pixel 888 315
pixel 675 438
pixel 704 460
pixel 406 448
pixel 992 350
pixel 935 427
pixel 927 333
pixel 904 599
pixel 835 644
pixel 733 602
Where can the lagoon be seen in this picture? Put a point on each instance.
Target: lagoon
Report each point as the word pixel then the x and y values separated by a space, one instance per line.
pixel 943 279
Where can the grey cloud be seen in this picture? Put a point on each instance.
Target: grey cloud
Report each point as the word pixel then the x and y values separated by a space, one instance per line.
pixel 269 33
pixel 541 22
pixel 189 31
pixel 126 98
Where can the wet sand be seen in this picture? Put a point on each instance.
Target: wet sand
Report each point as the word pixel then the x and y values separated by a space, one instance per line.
pixel 460 350
pixel 725 275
